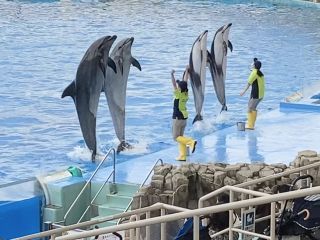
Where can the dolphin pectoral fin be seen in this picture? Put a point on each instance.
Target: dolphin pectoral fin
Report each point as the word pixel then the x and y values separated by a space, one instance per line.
pixel 209 59
pixel 135 63
pixel 197 118
pixel 112 64
pixel 94 96
pixel 70 90
pixel 230 46
pixel 122 146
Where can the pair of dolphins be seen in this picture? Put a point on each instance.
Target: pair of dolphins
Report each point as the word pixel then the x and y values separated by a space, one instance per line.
pixel 216 60
pixel 98 72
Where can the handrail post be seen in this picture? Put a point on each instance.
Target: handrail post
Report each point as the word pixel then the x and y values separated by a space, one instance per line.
pixel 114 167
pixel 196 223
pixel 132 230
pixel 148 215
pixel 273 221
pixel 231 216
pixel 163 226
pixel 138 228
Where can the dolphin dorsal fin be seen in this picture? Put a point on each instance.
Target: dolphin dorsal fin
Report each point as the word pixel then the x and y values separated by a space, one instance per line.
pixel 230 46
pixel 135 63
pixel 70 90
pixel 112 64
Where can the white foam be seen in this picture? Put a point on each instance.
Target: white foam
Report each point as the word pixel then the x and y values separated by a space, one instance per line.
pixel 81 153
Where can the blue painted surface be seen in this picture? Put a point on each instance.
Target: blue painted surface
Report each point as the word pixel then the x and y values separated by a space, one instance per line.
pixel 278 137
pixel 314 107
pixel 19 218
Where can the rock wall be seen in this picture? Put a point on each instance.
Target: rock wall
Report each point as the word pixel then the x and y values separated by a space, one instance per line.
pixel 184 185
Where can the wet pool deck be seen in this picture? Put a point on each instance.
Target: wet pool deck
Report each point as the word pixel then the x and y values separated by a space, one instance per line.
pixel 279 135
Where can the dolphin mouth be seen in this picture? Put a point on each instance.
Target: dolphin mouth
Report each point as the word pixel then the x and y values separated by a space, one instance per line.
pixel 204 33
pixel 113 37
pixel 227 26
pixel 129 41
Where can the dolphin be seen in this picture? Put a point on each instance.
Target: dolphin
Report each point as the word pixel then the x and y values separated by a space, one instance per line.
pixel 197 72
pixel 85 90
pixel 115 86
pixel 217 60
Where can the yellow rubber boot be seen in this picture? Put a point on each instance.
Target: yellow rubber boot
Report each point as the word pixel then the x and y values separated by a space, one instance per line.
pixel 254 118
pixel 250 123
pixel 187 141
pixel 182 152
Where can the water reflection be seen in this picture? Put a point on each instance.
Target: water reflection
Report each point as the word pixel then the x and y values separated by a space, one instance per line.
pixel 253 150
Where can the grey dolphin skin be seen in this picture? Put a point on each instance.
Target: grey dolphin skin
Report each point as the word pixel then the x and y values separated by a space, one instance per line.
pixel 115 87
pixel 85 90
pixel 197 72
pixel 217 59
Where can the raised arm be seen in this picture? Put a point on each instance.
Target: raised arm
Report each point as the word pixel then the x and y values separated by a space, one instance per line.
pixel 173 80
pixel 185 76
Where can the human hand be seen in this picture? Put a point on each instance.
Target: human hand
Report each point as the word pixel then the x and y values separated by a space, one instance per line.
pixel 173 71
pixel 241 94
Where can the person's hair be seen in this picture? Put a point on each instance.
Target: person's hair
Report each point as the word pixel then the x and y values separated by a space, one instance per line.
pixel 183 85
pixel 257 65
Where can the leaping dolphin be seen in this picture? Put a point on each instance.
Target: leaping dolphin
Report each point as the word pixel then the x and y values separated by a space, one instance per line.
pixel 218 62
pixel 86 88
pixel 197 72
pixel 115 87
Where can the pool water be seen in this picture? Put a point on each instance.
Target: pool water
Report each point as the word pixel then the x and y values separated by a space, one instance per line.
pixel 42 43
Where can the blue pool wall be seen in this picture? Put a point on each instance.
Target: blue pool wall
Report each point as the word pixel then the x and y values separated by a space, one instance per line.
pixel 19 218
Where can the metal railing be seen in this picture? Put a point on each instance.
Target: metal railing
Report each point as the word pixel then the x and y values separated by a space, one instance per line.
pixel 58 231
pixel 142 184
pixel 196 213
pixel 172 217
pixel 232 190
pixel 191 213
pixel 96 195
pixel 89 182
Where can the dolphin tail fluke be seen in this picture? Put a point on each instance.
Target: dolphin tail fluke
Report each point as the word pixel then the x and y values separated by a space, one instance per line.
pixel 197 118
pixel 123 146
pixel 224 108
pixel 70 90
pixel 93 157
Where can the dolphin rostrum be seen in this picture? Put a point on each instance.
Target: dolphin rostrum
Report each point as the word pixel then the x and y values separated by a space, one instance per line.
pixel 218 62
pixel 197 72
pixel 115 87
pixel 86 88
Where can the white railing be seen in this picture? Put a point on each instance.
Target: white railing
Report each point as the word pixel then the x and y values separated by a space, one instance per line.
pixel 183 214
pixel 156 206
pixel 142 184
pixel 63 229
pixel 232 190
pixel 196 213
